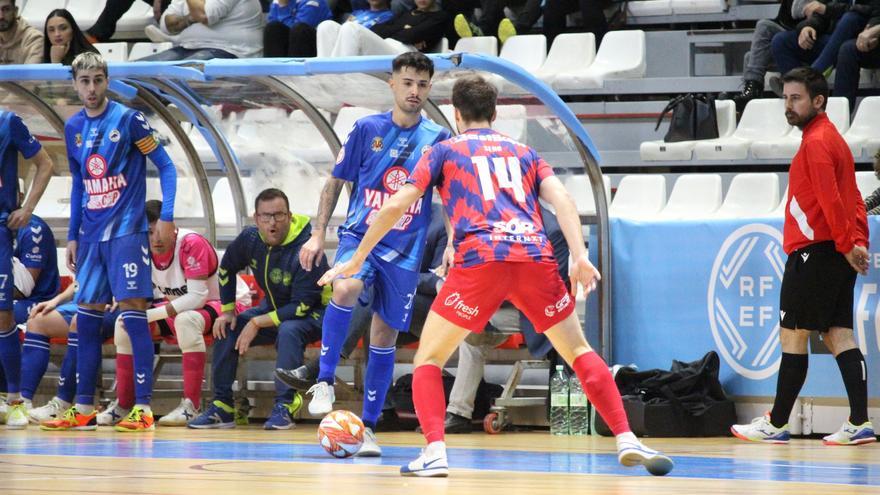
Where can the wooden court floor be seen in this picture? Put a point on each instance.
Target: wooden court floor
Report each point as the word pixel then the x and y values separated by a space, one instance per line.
pixel 251 461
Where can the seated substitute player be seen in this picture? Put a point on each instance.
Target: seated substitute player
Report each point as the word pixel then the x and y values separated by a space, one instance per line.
pixel 490 186
pixel 186 302
pixel 55 319
pixel 107 243
pixel 15 139
pixel 293 306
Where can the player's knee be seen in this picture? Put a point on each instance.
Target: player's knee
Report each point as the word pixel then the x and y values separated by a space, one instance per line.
pixel 121 339
pixel 190 327
pixel 346 292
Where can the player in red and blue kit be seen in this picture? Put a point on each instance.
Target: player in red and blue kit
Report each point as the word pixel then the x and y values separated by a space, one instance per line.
pixel 107 245
pixel 15 139
pixel 490 185
pixel 377 157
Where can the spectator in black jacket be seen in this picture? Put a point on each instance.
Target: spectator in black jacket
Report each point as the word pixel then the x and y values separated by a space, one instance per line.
pixel 854 54
pixel 419 29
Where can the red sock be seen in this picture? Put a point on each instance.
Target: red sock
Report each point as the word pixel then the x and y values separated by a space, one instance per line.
pixel 429 401
pixel 193 373
pixel 600 388
pixel 125 380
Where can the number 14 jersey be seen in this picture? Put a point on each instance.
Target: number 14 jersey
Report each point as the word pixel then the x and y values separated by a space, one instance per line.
pixel 489 186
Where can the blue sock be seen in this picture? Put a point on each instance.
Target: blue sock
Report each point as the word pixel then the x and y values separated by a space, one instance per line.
pixel 335 328
pixel 88 354
pixel 380 372
pixel 10 358
pixel 142 353
pixel 34 361
pixel 67 376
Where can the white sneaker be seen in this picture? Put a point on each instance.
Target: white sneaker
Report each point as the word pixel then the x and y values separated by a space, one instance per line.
pixel 181 415
pixel 632 452
pixel 431 463
pixel 112 415
pixel 51 410
pixel 761 430
pixel 370 447
pixel 4 408
pixel 850 434
pixel 16 416
pixel 323 397
pixel 156 35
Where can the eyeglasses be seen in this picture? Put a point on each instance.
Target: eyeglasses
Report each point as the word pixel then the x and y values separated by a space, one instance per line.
pixel 277 216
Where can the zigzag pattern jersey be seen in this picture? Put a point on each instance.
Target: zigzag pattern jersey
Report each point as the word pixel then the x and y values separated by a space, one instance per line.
pixel 377 157
pixel 489 186
pixel 14 139
pixel 108 153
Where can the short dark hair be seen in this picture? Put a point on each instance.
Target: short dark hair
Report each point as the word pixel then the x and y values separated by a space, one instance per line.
pixel 414 60
pixel 270 194
pixel 154 210
pixel 475 98
pixel 812 79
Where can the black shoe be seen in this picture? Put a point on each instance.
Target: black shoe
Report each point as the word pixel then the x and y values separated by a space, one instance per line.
pixel 457 424
pixel 751 90
pixel 297 379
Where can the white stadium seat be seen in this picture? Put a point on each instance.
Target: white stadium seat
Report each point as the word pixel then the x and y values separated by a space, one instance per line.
pixel 750 195
pixel 136 19
pixel 224 206
pixel 693 196
pixel 639 196
pixel 867 183
pixel 113 52
pixel 572 52
pixel 862 135
pixel 528 51
pixel 682 150
pixel 649 7
pixel 346 118
pixel 582 192
pixel 762 119
pixel 621 56
pixel 85 12
pixel 786 146
pixel 487 45
pixel 55 202
pixel 36 11
pixel 145 49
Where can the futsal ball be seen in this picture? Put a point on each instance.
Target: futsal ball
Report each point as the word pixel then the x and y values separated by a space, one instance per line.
pixel 341 433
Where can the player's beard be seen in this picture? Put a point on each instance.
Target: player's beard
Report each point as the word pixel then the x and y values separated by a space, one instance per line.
pixel 6 25
pixel 800 121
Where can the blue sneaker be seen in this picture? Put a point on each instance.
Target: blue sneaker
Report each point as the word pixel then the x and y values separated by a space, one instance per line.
pixel 219 415
pixel 282 414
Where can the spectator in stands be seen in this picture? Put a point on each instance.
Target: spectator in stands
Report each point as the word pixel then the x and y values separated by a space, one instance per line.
pixel 377 12
pixel 817 40
pixel 419 29
pixel 855 54
pixel 492 21
pixel 760 58
pixel 206 29
pixel 20 43
pixel 105 26
pixel 555 12
pixel 872 202
pixel 294 305
pixel 291 27
pixel 62 39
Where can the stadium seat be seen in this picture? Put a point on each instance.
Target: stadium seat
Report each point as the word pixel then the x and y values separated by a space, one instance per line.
pixel 779 211
pixel 862 135
pixel 135 20
pixel 85 12
pixel 682 150
pixel 649 8
pixel 570 52
pixel 145 49
pixel 621 56
pixel 305 139
pixel 346 118
pixel 36 11
pixel 511 120
pixel 187 202
pixel 867 183
pixel 528 51
pixel 693 196
pixel 582 192
pixel 698 6
pixel 224 206
pixel 113 52
pixel 750 195
pixel 786 146
pixel 487 45
pixel 55 202
pixel 639 196
pixel 762 119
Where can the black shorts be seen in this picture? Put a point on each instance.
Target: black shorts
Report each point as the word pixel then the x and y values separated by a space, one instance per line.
pixel 817 289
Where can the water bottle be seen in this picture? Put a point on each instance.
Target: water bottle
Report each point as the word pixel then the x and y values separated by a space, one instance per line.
pixel 578 410
pixel 559 402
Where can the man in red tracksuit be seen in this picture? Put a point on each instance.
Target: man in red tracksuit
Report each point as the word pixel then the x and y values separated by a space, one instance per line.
pixel 826 239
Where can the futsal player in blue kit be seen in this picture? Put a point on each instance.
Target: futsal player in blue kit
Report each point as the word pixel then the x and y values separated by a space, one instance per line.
pixel 377 157
pixel 15 139
pixel 107 244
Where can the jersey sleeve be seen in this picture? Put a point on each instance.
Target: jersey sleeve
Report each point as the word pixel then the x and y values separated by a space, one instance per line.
pixel 76 191
pixel 27 144
pixel 543 168
pixel 33 245
pixel 142 134
pixel 197 257
pixel 349 158
pixel 427 171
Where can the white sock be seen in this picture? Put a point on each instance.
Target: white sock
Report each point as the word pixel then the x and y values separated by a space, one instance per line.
pixel 13 396
pixel 627 437
pixel 144 407
pixel 85 408
pixel 436 449
pixel 64 403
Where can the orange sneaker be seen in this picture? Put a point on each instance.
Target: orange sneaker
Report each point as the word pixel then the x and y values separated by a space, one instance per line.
pixel 137 420
pixel 72 419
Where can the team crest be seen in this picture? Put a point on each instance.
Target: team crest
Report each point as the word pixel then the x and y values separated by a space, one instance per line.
pixel 377 144
pixel 287 279
pixel 426 148
pixel 395 178
pixel 96 166
pixel 114 136
pixel 78 139
pixel 276 276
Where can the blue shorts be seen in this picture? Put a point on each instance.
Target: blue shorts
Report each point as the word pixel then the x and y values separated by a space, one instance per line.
pixel 68 311
pixel 7 280
pixel 393 287
pixel 22 309
pixel 117 268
